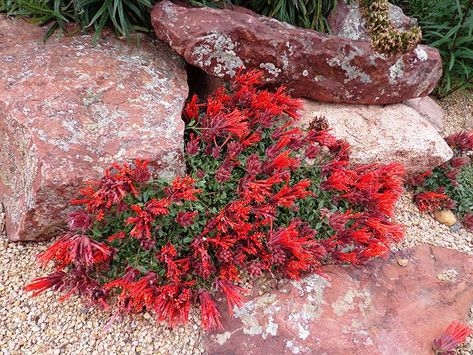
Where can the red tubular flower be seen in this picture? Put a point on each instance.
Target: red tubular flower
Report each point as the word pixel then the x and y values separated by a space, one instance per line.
pixel 232 293
pixel 54 281
pixel 287 195
pixel 172 303
pixel 430 201
pixel 341 180
pixel 259 190
pixel 58 251
pixel 193 145
pixel 191 111
pixel 157 207
pixel 374 250
pixel 468 221
pixel 419 180
pixel 234 123
pixel 79 220
pixel 454 335
pixel 186 219
pixel 461 141
pixel 291 241
pixel 459 162
pixel 119 236
pixel 140 172
pixel 142 223
pixel 87 252
pixel 210 316
pixel 182 188
pixel 282 162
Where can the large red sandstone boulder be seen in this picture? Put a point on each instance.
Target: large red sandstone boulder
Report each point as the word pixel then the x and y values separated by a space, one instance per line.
pixel 381 308
pixel 347 21
pixel 311 64
pixel 383 134
pixel 69 109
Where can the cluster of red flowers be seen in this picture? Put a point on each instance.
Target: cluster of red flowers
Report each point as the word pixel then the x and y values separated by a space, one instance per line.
pixel 455 334
pixel 440 188
pixel 262 196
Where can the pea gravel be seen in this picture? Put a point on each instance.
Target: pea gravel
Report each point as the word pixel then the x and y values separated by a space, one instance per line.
pixel 42 325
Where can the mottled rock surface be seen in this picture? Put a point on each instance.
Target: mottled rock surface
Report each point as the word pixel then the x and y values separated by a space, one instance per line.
pixel 347 21
pixel 428 109
pixel 70 109
pixel 311 64
pixel 382 308
pixel 383 134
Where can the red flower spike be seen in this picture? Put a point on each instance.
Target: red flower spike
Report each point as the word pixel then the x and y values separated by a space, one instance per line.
pixel 454 335
pixel 142 222
pixel 210 316
pixel 468 221
pixel 182 188
pixel 191 111
pixel 79 221
pixel 461 141
pixel 157 207
pixel 140 172
pixel 232 293
pixel 430 201
pixel 54 281
pixel 186 219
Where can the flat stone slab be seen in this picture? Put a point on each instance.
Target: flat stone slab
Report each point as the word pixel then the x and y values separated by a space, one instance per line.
pixel 69 109
pixel 381 308
pixel 383 134
pixel 309 63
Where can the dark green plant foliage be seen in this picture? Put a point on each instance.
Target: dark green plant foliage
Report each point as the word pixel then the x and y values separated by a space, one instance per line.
pixel 125 16
pixel 302 13
pixel 448 26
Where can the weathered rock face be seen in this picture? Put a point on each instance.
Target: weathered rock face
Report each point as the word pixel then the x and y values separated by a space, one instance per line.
pixel 383 134
pixel 428 109
pixel 347 21
pixel 71 109
pixel 311 64
pixel 382 308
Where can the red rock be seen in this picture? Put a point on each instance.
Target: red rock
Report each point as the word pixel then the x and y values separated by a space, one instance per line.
pixel 383 134
pixel 428 109
pixel 381 308
pixel 311 64
pixel 347 21
pixel 71 109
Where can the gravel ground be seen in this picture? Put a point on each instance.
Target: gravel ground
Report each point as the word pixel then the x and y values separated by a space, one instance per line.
pixel 458 112
pixel 423 228
pixel 42 325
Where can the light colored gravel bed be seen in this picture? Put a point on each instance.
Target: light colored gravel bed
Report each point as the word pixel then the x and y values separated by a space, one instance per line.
pixel 42 325
pixel 458 112
pixel 423 228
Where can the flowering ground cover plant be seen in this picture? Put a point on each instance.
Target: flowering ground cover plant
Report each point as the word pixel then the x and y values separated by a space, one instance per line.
pixel 261 196
pixel 451 184
pixel 455 334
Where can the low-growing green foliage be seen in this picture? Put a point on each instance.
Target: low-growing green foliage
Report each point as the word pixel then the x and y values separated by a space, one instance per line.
pixel 125 16
pixel 302 13
pixel 451 184
pixel 448 26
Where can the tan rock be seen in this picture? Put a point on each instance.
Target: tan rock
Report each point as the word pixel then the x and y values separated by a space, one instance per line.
pixel 383 134
pixel 445 217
